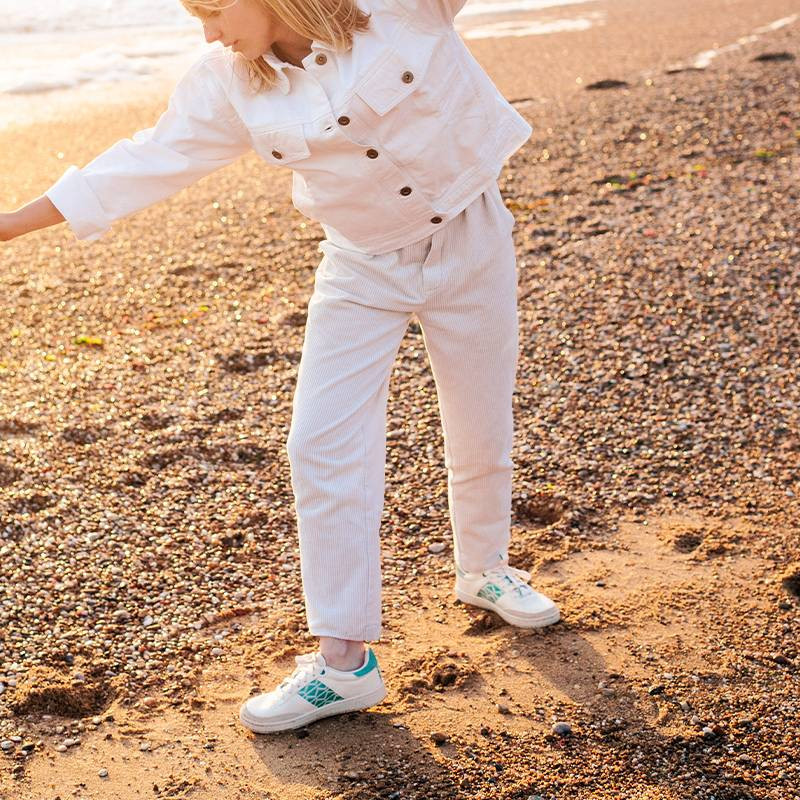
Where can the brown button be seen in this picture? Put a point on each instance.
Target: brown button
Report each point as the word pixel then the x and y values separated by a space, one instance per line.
pixel 321 58
pixel 436 220
pixel 405 191
pixel 277 154
pixel 372 153
pixel 343 120
pixel 408 77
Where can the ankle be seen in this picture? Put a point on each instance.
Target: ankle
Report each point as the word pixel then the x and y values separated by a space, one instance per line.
pixel 342 654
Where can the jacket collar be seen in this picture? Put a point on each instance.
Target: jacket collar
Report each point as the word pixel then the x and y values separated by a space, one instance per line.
pixel 280 66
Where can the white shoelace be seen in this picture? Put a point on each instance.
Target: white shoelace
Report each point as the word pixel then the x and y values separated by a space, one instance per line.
pixel 308 666
pixel 517 577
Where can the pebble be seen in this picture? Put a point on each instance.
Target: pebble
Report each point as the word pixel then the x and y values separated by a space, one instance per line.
pixel 562 728
pixel 6 744
pixel 144 746
pixel 103 773
pixel 436 547
pixel 503 709
pixel 438 737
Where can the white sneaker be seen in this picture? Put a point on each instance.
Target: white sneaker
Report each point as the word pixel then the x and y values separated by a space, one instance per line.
pixel 312 691
pixel 504 590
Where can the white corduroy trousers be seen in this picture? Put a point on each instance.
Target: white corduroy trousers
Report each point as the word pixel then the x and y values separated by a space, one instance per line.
pixel 461 284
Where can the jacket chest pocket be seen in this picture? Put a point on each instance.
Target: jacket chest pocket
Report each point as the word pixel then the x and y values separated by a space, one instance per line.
pixel 283 146
pixel 425 110
pixel 419 83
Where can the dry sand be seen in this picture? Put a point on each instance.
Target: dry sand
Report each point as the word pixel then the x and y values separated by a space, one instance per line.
pixel 657 447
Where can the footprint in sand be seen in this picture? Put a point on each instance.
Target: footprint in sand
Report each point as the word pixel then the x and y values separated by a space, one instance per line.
pixel 84 436
pixel 47 692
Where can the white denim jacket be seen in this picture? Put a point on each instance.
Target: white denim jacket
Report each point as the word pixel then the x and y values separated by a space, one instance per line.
pixel 386 141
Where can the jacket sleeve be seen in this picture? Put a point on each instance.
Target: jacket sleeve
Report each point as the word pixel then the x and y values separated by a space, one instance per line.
pixel 198 133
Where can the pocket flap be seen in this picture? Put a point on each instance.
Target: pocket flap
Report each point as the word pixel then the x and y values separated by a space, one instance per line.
pixel 281 146
pixel 391 81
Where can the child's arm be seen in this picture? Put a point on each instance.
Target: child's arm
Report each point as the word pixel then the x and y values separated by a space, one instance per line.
pixel 197 134
pixel 38 214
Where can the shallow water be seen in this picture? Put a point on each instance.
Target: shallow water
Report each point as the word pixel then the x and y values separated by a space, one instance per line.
pixel 48 47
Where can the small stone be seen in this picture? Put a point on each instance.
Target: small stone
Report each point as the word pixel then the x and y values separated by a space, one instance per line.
pixel 144 746
pixel 503 709
pixel 657 689
pixel 352 775
pixel 70 742
pixel 28 747
pixel 436 547
pixel 599 583
pixel 562 729
pixel 103 773
pixel 61 748
pixel 6 744
pixel 147 621
pixel 438 738
pixel 684 706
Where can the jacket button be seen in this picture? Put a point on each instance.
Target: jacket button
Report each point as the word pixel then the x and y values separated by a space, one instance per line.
pixel 408 77
pixel 277 154
pixel 321 58
pixel 372 153
pixel 405 191
pixel 343 120
pixel 436 220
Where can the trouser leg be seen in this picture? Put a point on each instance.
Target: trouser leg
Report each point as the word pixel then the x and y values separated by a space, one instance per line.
pixel 337 445
pixel 470 329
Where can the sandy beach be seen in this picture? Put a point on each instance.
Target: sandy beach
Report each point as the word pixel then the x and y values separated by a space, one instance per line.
pixel 149 569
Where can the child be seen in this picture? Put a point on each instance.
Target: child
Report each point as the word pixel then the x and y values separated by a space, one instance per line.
pixel 396 137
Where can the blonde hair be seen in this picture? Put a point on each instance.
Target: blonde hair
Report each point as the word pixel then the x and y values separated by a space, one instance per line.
pixel 332 22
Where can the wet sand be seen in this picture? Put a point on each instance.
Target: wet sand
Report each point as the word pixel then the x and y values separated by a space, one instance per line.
pixel 149 574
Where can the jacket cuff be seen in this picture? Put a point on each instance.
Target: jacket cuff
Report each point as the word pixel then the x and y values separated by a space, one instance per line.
pixel 78 204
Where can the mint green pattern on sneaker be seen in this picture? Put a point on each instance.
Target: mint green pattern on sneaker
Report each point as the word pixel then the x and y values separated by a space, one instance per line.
pixel 318 694
pixel 491 592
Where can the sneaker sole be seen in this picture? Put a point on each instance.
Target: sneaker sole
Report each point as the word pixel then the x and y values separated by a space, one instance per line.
pixel 339 707
pixel 519 620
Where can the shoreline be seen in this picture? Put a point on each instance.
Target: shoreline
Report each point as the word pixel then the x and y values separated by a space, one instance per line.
pixel 623 38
